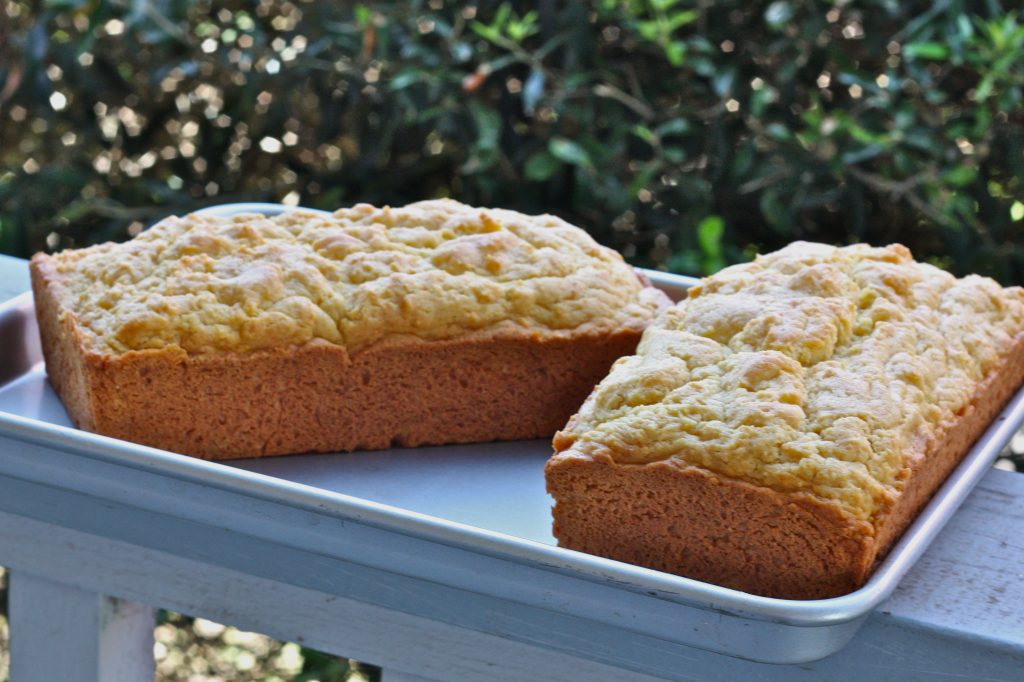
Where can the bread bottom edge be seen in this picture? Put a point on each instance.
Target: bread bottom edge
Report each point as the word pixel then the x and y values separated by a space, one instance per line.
pixel 685 520
pixel 318 399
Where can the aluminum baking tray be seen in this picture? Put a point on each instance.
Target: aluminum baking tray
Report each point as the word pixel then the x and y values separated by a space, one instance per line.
pixel 488 500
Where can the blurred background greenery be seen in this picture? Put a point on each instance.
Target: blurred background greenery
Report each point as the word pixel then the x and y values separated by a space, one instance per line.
pixel 688 134
pixel 685 133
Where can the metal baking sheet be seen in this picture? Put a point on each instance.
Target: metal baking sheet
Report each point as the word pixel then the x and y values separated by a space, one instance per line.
pixel 490 499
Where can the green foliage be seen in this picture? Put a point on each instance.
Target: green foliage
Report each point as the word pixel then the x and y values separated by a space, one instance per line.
pixel 686 134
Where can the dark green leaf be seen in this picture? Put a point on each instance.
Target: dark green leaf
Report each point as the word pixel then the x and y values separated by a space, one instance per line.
pixel 926 50
pixel 569 152
pixel 675 126
pixel 960 176
pixel 709 235
pixel 540 166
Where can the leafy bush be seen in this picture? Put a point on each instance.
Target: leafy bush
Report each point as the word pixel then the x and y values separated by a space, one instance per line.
pixel 686 134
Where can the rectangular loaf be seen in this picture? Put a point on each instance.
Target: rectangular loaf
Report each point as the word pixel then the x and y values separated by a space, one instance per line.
pixel 249 335
pixel 779 428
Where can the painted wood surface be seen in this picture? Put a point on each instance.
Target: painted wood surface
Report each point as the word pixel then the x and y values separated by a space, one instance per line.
pixel 61 632
pixel 970 582
pixel 894 645
pixel 396 676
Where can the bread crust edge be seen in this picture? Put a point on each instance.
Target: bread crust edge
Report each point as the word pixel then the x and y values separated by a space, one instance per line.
pixel 317 397
pixel 686 520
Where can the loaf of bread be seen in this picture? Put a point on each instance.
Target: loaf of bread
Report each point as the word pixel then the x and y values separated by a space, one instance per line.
pixel 253 335
pixel 779 428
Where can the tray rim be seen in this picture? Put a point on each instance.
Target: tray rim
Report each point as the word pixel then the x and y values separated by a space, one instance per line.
pixel 683 591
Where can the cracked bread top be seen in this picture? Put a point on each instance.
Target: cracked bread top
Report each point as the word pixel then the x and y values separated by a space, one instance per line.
pixel 431 270
pixel 813 369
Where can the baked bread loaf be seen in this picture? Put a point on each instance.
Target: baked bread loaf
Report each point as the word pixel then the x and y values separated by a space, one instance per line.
pixel 253 335
pixel 779 428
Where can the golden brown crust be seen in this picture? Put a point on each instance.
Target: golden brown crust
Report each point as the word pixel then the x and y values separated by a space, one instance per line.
pixel 950 443
pixel 683 519
pixel 813 369
pixel 432 270
pixel 317 397
pixel 842 384
pixel 61 340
